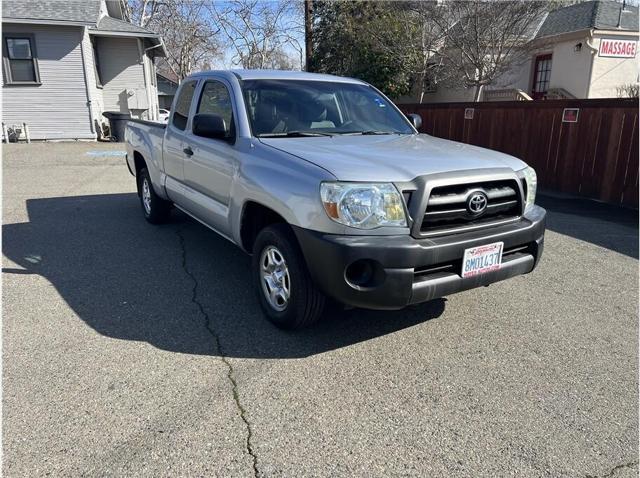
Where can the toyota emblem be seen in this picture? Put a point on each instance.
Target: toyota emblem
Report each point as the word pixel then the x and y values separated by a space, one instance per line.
pixel 477 203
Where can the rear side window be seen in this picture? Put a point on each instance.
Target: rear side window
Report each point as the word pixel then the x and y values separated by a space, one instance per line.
pixel 215 99
pixel 183 103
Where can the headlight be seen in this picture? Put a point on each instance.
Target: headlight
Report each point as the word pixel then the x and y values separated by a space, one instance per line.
pixel 532 184
pixel 363 205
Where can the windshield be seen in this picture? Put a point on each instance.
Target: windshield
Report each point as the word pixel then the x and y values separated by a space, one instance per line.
pixel 281 108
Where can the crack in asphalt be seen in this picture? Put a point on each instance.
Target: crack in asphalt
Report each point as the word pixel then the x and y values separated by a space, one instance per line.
pixel 223 356
pixel 615 469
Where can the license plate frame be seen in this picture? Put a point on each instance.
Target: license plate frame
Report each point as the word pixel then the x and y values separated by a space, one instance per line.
pixel 482 259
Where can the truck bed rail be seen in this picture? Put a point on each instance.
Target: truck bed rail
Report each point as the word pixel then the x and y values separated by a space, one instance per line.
pixel 148 123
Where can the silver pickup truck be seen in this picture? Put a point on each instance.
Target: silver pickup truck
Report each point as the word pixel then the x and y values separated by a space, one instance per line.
pixel 334 192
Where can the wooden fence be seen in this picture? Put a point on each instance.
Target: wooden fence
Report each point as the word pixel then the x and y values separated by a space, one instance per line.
pixel 595 157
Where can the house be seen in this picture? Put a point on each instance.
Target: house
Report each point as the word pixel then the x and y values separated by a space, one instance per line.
pixel 167 86
pixel 584 50
pixel 67 62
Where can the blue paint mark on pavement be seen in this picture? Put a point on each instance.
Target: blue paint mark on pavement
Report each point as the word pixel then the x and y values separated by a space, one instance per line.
pixel 106 153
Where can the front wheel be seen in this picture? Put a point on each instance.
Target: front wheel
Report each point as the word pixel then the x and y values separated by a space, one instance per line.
pixel 287 295
pixel 155 209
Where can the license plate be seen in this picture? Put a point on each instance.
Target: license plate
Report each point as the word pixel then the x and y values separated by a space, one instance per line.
pixel 482 259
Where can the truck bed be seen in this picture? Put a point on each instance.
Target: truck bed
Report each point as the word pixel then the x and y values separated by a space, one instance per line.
pixel 148 123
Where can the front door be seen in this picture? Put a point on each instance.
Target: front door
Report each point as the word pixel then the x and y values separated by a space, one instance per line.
pixel 541 77
pixel 209 171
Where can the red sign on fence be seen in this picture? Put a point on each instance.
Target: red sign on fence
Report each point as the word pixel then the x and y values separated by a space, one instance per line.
pixel 570 115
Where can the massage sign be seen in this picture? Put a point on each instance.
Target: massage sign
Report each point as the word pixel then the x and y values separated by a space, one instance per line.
pixel 617 48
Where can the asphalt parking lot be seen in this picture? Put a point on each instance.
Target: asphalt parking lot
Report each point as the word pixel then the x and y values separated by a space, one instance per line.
pixel 130 349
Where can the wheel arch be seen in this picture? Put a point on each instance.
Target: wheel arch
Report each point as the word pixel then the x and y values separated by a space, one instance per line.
pixel 139 162
pixel 256 216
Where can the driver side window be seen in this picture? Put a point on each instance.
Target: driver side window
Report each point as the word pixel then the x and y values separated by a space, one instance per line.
pixel 215 99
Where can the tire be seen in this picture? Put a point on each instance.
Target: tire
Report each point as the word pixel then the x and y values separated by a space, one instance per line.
pixel 155 209
pixel 305 302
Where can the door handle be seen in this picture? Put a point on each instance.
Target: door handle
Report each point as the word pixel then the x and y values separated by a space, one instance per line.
pixel 188 151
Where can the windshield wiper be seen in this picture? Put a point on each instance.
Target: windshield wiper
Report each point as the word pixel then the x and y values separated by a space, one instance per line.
pixel 293 134
pixel 369 132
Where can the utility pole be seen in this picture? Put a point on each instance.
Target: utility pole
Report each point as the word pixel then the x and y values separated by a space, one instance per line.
pixel 308 27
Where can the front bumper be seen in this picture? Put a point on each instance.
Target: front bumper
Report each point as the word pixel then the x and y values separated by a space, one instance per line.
pixel 404 270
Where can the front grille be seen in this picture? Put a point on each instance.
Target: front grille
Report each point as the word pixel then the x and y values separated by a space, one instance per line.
pixel 447 206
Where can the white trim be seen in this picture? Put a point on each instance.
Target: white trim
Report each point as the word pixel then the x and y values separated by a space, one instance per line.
pixel 108 33
pixel 621 33
pixel 593 51
pixel 47 22
pixel 584 31
pixel 145 78
pixel 558 37
pixel 86 81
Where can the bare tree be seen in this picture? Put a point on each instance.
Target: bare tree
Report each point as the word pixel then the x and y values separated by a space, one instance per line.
pixel 262 33
pixel 629 90
pixel 405 30
pixel 483 39
pixel 189 33
pixel 140 12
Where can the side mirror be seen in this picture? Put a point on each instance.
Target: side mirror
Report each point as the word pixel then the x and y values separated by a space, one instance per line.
pixel 209 125
pixel 416 120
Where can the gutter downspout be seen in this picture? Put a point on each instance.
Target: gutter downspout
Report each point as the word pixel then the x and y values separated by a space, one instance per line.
pixel 152 71
pixel 85 33
pixel 594 51
pixel 143 53
pixel 154 46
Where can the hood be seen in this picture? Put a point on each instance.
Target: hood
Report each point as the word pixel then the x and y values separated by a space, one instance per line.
pixel 393 158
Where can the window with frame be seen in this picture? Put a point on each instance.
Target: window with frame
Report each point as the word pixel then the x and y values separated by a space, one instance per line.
pixel 542 76
pixel 183 103
pixel 20 59
pixel 215 99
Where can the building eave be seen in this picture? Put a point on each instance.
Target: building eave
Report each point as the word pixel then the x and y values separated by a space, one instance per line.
pixel 616 32
pixel 156 40
pixel 47 22
pixel 564 36
pixel 106 33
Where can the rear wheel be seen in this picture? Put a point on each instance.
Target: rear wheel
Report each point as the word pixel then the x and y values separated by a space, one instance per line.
pixel 155 209
pixel 287 295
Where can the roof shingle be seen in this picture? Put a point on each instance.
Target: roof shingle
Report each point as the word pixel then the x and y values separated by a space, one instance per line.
pixel 109 24
pixel 72 11
pixel 598 14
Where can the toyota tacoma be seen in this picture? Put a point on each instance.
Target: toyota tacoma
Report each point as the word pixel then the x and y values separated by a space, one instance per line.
pixel 334 193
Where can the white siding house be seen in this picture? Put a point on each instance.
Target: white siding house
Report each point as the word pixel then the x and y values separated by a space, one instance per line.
pixel 65 63
pixel 56 106
pixel 167 87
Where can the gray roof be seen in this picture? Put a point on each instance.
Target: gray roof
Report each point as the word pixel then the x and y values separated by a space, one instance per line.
pixel 72 11
pixel 599 15
pixel 109 24
pixel 85 12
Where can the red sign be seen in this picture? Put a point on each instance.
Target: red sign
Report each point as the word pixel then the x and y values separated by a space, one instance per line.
pixel 570 115
pixel 618 48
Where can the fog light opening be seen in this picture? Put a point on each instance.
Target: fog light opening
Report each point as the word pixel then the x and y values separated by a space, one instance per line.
pixel 364 273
